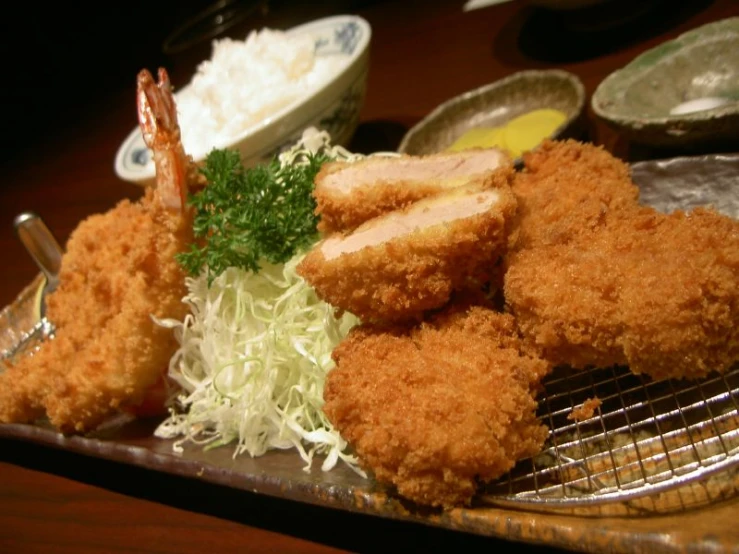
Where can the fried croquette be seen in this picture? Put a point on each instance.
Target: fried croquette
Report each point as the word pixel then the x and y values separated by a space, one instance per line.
pixel 438 408
pixel 404 263
pixel 595 279
pixel 348 194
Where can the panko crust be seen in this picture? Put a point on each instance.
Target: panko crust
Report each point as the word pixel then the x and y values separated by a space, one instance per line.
pixel 655 292
pixel 566 189
pixel 341 212
pixel 595 279
pixel 118 271
pixel 438 408
pixel 404 277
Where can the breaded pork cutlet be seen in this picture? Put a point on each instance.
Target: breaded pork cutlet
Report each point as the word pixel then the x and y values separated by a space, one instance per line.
pixel 436 409
pixel 568 188
pixel 348 194
pixel 397 266
pixel 659 293
pixel 596 279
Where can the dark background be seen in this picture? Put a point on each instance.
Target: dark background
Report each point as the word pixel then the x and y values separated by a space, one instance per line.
pixel 63 60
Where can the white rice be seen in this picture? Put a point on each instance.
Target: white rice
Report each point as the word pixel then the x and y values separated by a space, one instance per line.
pixel 245 82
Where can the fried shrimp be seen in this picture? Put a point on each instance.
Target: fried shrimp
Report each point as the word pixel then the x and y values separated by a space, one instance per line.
pixel 438 408
pixel 349 193
pixel 397 266
pixel 118 272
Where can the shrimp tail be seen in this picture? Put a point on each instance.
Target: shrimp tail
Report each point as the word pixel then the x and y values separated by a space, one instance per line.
pixel 157 116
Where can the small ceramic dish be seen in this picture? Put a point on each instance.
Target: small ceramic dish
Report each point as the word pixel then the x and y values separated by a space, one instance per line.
pixel 333 106
pixel 495 104
pixel 696 74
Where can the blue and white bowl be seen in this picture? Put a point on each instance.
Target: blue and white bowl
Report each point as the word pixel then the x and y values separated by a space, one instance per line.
pixel 333 107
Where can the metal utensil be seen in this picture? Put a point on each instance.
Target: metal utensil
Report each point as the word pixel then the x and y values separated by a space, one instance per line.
pixel 46 252
pixel 43 248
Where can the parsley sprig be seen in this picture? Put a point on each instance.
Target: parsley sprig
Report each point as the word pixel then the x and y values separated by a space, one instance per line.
pixel 244 216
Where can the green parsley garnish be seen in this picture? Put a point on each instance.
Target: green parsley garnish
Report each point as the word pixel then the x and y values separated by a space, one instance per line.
pixel 244 216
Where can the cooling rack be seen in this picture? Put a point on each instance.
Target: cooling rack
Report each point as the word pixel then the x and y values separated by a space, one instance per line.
pixel 641 438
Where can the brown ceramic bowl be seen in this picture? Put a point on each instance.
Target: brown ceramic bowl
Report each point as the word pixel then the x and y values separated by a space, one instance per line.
pixel 495 104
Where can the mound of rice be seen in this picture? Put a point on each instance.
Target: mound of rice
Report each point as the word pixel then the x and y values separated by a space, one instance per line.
pixel 245 82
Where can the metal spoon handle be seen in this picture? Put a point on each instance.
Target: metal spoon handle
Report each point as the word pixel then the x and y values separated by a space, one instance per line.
pixel 41 245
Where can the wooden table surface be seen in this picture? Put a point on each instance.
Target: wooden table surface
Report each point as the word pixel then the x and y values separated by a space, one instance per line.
pixel 71 106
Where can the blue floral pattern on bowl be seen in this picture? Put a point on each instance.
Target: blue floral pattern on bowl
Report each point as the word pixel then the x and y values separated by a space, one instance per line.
pixel 345 40
pixel 141 156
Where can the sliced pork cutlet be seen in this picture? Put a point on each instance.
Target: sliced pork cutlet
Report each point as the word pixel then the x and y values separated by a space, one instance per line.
pixel 349 193
pixel 399 265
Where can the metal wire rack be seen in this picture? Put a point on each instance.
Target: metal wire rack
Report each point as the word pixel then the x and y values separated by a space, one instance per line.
pixel 644 437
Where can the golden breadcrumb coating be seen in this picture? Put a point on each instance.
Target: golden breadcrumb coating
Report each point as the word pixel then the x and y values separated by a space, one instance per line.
pixel 438 408
pixel 568 188
pixel 344 211
pixel 655 292
pixel 586 410
pixel 118 271
pixel 404 276
pixel 595 279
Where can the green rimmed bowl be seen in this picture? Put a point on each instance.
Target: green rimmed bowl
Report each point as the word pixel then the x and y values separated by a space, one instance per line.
pixel 639 100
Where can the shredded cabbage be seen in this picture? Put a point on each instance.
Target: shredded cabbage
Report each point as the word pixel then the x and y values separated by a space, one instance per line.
pixel 254 353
